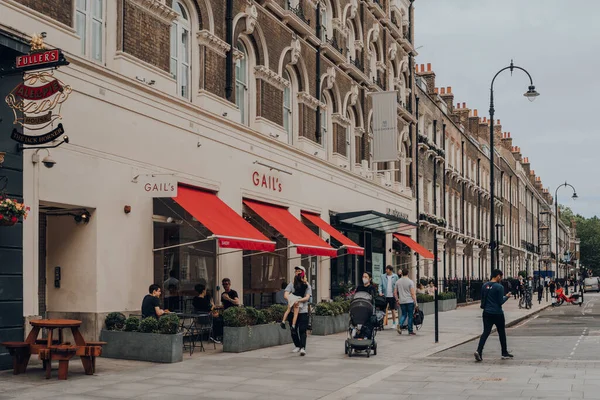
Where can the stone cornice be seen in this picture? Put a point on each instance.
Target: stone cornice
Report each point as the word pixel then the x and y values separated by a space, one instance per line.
pixel 271 77
pixel 213 42
pixel 310 101
pixel 340 120
pixel 157 9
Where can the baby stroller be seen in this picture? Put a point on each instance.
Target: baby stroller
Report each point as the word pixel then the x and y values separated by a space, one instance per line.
pixel 380 307
pixel 363 321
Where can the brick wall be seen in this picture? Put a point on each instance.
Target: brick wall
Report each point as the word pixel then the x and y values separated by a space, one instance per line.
pixel 59 10
pixel 146 37
pixel 271 103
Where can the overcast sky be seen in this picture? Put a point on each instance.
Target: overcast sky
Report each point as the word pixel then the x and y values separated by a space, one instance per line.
pixel 558 42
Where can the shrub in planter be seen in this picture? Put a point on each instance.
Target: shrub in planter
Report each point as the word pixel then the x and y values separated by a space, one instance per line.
pixel 236 317
pixel 274 313
pixel 149 325
pixel 446 295
pixel 424 298
pixel 168 324
pixel 324 309
pixel 132 324
pixel 114 321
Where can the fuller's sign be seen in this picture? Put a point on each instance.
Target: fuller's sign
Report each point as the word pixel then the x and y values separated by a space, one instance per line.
pixel 38 59
pixel 37 101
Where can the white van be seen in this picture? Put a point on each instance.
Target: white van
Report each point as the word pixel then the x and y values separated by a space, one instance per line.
pixel 591 285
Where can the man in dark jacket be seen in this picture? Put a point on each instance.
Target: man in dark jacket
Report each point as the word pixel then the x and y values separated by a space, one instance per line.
pixel 492 299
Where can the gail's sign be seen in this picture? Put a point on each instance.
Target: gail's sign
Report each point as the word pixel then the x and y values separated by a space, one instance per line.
pixel 158 186
pixel 267 181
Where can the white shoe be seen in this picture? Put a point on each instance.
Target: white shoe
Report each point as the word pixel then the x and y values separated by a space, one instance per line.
pixel 297 349
pixel 302 352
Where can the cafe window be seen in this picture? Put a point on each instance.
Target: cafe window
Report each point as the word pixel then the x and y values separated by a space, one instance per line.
pixel 264 273
pixel 181 253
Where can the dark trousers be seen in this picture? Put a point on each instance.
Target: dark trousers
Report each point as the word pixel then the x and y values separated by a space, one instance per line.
pixel 489 320
pixel 299 333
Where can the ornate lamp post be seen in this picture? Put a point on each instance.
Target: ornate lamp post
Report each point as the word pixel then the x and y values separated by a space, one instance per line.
pixel 531 94
pixel 574 197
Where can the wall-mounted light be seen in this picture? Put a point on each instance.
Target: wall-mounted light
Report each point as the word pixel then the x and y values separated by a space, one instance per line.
pixel 83 217
pixel 48 161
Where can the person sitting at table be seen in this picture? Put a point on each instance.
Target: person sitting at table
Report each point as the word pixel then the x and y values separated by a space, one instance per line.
pixel 203 304
pixel 230 297
pixel 151 303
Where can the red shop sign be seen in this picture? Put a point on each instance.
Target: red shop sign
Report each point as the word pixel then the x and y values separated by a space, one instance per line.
pixel 266 181
pixel 44 57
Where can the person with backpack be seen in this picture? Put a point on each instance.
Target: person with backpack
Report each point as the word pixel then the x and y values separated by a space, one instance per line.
pixel 492 299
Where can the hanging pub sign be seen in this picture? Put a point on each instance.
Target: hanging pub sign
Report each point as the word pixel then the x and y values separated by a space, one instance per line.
pixel 37 101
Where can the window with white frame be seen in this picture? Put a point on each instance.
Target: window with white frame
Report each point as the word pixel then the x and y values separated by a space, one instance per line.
pixel 89 24
pixel 324 122
pixel 287 106
pixel 241 83
pixel 180 50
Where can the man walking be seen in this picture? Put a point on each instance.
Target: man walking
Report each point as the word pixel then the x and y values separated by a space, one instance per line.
pixel 388 282
pixel 492 299
pixel 299 332
pixel 406 297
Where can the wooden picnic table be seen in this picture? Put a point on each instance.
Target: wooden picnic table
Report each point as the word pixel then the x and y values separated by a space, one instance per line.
pixel 53 348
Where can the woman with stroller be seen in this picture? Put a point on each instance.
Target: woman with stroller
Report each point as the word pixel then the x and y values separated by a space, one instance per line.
pixel 367 285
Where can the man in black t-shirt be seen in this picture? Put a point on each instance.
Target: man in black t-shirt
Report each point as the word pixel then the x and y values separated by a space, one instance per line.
pixel 229 298
pixel 151 303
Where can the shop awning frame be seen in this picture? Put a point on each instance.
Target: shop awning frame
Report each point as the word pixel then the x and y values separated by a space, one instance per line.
pixel 375 220
pixel 227 227
pixel 422 251
pixel 305 240
pixel 347 244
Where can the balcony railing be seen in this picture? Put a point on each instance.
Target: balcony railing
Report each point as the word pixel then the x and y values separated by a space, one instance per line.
pixel 378 82
pixel 334 43
pixel 356 62
pixel 299 12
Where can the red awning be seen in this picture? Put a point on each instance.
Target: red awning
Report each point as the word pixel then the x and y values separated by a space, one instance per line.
pixel 415 246
pixel 305 240
pixel 352 247
pixel 227 226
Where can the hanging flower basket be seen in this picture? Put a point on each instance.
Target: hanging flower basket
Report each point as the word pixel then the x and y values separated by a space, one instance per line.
pixel 11 211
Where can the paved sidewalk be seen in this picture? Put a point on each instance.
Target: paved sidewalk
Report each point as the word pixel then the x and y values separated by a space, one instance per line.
pixel 267 373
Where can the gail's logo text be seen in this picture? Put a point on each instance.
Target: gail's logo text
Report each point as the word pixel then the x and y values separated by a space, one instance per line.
pixel 266 181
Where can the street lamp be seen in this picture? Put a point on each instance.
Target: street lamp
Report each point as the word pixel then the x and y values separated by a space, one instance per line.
pixel 531 95
pixel 574 197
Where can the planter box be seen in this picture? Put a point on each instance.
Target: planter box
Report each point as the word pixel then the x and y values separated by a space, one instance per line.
pixel 326 325
pixel 153 347
pixel 443 305
pixel 245 338
pixel 447 305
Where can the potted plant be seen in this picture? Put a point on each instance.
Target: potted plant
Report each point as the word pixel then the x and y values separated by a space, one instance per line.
pixel 331 317
pixel 11 211
pixel 426 304
pixel 246 328
pixel 146 340
pixel 447 301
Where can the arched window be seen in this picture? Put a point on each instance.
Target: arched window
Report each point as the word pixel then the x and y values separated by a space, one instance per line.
pixel 287 107
pixel 373 63
pixel 241 83
pixel 180 50
pixel 326 21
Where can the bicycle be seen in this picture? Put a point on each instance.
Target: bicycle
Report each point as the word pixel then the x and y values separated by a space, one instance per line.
pixel 526 300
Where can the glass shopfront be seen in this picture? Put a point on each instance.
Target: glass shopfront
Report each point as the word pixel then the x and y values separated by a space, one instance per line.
pixel 180 264
pixel 264 273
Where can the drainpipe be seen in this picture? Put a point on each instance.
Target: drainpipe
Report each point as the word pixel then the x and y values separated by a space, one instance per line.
pixel 417 180
pixel 229 59
pixel 444 199
pixel 318 80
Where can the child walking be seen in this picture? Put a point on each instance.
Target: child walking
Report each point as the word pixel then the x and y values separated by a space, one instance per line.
pixel 300 287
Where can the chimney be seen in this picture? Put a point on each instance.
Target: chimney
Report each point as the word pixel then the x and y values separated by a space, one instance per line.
pixel 507 141
pixel 429 77
pixel 484 131
pixel 526 166
pixel 473 125
pixel 463 113
pixel 497 132
pixel 448 97
pixel 516 151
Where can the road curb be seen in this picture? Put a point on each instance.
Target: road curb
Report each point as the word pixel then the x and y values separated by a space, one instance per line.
pixel 474 337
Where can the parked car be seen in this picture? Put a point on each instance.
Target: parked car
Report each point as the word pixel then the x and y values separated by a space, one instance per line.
pixel 591 284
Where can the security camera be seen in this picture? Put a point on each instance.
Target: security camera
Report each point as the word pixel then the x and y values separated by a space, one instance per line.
pixel 48 162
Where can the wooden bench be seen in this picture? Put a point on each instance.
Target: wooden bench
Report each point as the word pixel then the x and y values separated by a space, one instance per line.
pixel 20 353
pixel 91 351
pixel 61 353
